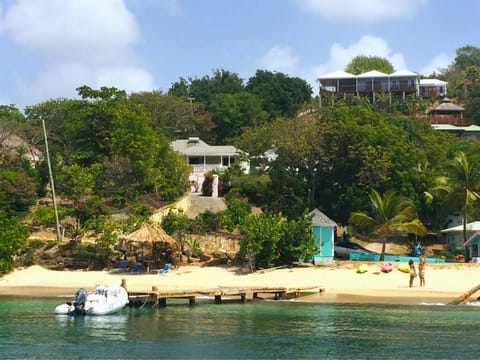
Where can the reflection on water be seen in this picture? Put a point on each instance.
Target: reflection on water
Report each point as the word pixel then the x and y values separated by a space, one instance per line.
pixel 108 328
pixel 242 331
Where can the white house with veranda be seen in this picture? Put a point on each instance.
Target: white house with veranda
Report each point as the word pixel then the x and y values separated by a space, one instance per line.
pixel 204 158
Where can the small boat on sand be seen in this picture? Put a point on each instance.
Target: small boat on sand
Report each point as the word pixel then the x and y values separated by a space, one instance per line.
pixel 104 300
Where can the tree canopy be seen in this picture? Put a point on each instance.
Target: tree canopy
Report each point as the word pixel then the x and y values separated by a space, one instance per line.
pixel 110 147
pixel 363 63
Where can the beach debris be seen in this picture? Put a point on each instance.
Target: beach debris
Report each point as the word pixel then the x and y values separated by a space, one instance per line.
pixel 462 298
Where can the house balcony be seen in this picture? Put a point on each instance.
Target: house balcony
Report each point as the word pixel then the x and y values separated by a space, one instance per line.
pixel 205 168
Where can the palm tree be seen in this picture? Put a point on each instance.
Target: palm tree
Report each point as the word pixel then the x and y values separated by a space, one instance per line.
pixel 461 188
pixel 390 213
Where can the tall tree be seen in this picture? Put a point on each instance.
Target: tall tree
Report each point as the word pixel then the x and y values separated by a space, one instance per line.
pixel 114 139
pixel 460 189
pixel 176 116
pixel 203 89
pixel 389 213
pixel 467 56
pixel 362 63
pixel 233 113
pixel 282 96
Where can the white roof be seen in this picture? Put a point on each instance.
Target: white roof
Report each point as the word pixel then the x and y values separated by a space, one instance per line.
pixel 471 128
pixel 372 74
pixel 433 82
pixel 197 147
pixel 473 226
pixel 403 73
pixel 337 75
pixel 447 127
pixel 320 219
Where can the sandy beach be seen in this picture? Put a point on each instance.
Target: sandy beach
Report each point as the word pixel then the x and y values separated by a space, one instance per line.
pixel 340 282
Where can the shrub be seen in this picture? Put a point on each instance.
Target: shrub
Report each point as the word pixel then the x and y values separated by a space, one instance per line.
pixel 45 215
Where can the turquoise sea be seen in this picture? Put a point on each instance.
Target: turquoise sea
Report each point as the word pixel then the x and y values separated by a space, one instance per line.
pixel 254 330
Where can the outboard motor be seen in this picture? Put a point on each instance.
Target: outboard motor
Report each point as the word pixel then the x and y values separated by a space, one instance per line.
pixel 79 302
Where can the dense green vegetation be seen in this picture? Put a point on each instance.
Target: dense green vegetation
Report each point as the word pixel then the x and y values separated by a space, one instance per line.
pixel 111 153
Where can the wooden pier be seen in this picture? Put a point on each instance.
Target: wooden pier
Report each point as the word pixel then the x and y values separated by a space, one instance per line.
pixel 160 297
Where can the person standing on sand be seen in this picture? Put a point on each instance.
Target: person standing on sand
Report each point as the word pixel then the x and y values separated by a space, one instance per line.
pixel 413 272
pixel 421 269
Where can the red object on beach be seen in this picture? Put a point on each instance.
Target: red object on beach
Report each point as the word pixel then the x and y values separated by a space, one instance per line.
pixel 387 267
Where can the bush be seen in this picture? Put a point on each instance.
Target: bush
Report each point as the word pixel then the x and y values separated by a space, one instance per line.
pixel 207 221
pixel 236 213
pixel 45 215
pixel 173 222
pixel 13 236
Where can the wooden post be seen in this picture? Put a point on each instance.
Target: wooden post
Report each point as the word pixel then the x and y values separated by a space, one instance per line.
pixel 162 302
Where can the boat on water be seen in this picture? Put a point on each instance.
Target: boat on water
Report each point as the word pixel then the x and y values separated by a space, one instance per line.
pixel 104 300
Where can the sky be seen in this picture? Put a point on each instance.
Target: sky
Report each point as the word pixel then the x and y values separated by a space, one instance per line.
pixel 48 48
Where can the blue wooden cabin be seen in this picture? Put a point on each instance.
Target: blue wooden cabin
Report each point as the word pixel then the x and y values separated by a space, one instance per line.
pixel 323 230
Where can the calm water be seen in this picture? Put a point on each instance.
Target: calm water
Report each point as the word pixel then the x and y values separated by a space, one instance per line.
pixel 260 330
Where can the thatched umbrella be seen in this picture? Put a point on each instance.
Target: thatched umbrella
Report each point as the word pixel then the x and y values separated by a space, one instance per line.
pixel 149 234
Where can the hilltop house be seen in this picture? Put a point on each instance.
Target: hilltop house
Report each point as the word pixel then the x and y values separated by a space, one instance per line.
pixel 433 88
pixel 203 157
pixel 398 84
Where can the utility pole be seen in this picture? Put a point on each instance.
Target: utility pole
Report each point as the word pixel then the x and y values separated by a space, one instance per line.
pixel 52 185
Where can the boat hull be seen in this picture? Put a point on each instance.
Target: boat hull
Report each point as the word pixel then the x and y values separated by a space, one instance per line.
pixel 103 301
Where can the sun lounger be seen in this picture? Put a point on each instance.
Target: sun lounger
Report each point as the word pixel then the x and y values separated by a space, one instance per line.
pixel 137 269
pixel 165 269
pixel 122 266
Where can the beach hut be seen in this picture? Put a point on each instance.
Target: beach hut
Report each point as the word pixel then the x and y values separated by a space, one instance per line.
pixel 323 230
pixel 153 241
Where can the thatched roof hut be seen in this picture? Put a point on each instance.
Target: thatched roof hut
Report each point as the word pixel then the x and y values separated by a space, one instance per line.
pixel 149 234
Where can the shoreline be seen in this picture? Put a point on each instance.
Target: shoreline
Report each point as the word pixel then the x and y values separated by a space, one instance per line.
pixel 339 281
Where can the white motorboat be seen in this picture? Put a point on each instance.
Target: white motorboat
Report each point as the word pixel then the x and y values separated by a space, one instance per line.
pixel 104 300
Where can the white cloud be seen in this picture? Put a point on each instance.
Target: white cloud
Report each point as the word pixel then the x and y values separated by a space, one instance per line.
pixel 361 10
pixel 75 42
pixel 85 29
pixel 439 62
pixel 62 79
pixel 367 45
pixel 280 58
pixel 131 78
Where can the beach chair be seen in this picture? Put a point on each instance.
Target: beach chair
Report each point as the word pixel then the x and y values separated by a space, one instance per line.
pixel 122 266
pixel 137 269
pixel 165 269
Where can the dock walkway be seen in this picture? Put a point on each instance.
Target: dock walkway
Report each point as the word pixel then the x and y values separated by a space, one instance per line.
pixel 160 297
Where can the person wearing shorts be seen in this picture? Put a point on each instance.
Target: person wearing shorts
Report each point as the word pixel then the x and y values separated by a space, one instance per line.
pixel 421 269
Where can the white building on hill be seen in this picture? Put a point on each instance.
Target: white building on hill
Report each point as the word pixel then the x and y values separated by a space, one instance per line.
pixel 204 158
